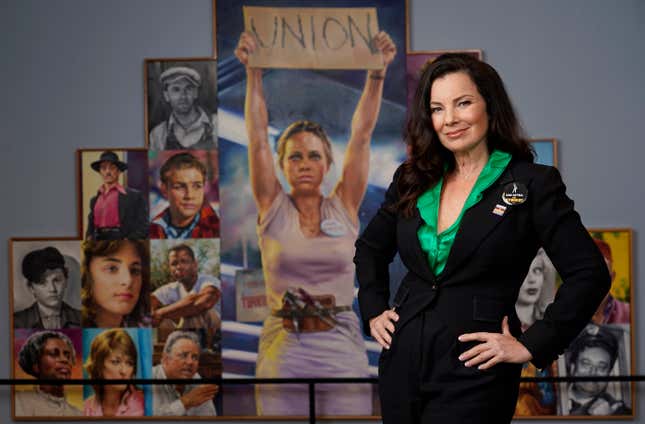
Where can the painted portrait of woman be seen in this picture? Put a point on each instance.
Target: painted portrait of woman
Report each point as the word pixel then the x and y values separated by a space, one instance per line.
pixel 113 355
pixel 537 290
pixel 115 283
pixel 536 293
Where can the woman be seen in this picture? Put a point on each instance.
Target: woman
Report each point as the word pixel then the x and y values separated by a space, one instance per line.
pixel 467 212
pixel 536 293
pixel 46 355
pixel 113 355
pixel 537 290
pixel 306 240
pixel 115 277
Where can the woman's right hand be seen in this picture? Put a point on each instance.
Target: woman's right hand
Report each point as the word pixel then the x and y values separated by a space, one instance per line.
pixel 382 327
pixel 245 47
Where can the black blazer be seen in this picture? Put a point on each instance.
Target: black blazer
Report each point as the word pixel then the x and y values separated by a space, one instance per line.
pixel 487 264
pixel 133 215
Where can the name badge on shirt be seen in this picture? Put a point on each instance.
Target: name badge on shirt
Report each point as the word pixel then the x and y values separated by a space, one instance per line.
pixel 515 194
pixel 332 227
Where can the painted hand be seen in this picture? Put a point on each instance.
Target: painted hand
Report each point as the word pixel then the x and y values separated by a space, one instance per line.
pixel 387 47
pixel 245 47
pixel 200 394
pixel 494 348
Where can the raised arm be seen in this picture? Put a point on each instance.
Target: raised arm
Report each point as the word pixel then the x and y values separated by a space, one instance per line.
pixel 353 181
pixel 264 182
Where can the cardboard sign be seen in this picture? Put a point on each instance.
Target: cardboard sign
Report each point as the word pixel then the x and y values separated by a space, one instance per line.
pixel 313 38
pixel 250 296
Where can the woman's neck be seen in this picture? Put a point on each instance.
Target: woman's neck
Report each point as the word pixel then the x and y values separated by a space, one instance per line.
pixel 468 164
pixel 308 205
pixel 111 400
pixel 56 390
pixel 105 319
pixel 525 312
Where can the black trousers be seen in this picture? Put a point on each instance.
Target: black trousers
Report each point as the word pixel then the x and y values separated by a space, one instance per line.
pixel 421 379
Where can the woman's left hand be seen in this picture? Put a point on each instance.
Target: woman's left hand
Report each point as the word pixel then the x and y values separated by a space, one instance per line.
pixel 495 348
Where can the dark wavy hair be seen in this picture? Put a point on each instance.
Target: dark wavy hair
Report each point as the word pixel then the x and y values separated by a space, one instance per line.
pixel 103 344
pixel 93 248
pixel 428 158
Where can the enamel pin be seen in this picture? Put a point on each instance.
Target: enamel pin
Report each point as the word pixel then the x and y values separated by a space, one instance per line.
pixel 499 209
pixel 515 194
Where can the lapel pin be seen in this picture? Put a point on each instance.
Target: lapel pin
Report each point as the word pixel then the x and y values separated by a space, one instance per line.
pixel 499 209
pixel 515 194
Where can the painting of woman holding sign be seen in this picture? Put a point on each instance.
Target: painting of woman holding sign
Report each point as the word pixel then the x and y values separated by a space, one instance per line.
pixel 307 240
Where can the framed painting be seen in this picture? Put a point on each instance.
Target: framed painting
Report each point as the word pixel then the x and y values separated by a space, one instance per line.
pixel 546 151
pixel 606 346
pixel 184 354
pixel 117 353
pixel 45 307
pixel 112 186
pixel 180 103
pixel 37 400
pixel 184 194
pixel 45 272
pixel 256 339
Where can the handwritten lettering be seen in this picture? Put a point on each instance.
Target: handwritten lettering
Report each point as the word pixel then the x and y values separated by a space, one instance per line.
pixel 330 38
pixel 326 37
pixel 285 27
pixel 335 36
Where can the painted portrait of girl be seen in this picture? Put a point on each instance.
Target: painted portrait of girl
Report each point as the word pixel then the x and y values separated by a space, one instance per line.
pixel 115 283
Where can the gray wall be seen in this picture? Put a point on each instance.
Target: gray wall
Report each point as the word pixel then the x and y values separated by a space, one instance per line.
pixel 72 76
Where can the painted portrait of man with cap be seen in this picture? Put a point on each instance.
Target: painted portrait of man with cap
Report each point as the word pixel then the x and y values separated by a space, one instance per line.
pixel 46 275
pixel 115 212
pixel 189 125
pixel 594 353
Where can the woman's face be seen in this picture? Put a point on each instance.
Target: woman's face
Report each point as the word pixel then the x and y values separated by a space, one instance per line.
pixel 458 112
pixel 118 365
pixel 116 282
pixel 533 283
pixel 304 163
pixel 56 360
